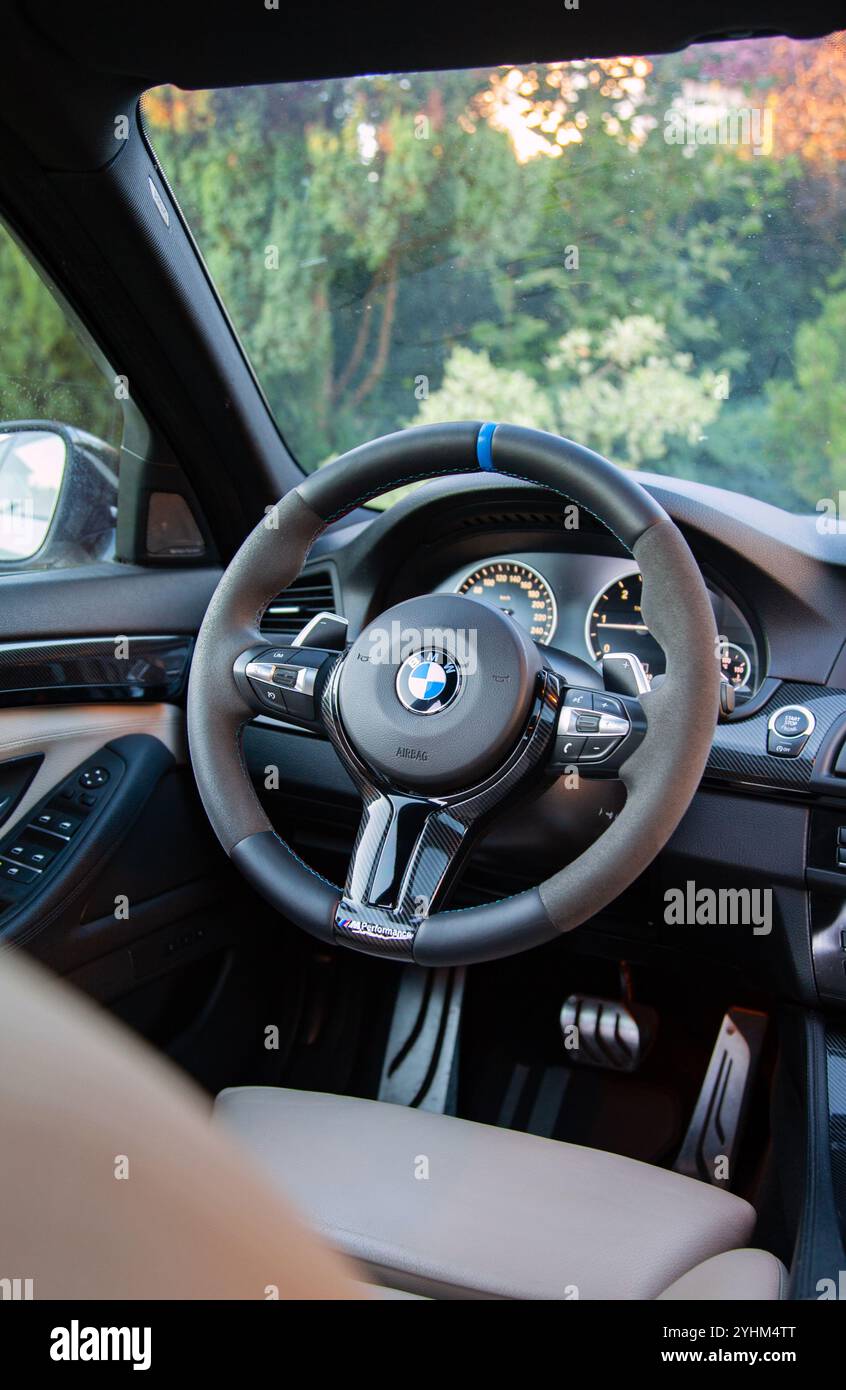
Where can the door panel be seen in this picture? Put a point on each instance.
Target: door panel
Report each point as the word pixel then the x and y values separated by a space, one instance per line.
pixel 68 734
pixel 132 899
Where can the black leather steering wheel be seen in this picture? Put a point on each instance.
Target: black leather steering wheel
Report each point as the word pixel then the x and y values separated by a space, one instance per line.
pixel 443 709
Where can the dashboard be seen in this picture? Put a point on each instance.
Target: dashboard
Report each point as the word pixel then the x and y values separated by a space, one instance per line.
pixel 777 588
pixel 590 605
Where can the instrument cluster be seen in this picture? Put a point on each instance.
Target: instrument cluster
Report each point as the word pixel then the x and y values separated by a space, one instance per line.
pixel 591 606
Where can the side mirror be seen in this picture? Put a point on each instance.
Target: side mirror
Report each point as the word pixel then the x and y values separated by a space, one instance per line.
pixel 32 466
pixel 58 494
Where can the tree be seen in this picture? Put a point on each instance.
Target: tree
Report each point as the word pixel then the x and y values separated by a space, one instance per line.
pixel 46 372
pixel 623 392
pixel 808 421
pixel 381 238
pixel 474 389
pixel 631 394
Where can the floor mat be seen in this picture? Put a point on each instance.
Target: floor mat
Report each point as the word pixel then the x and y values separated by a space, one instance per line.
pixel 515 1073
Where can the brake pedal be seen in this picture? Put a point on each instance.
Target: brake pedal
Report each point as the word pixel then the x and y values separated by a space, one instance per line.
pixel 606 1033
pixel 716 1126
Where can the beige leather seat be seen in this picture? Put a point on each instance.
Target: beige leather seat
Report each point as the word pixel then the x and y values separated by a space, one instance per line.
pixel 445 1208
pixel 115 1184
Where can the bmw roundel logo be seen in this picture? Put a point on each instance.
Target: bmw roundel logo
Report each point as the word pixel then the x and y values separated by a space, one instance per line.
pixel 428 681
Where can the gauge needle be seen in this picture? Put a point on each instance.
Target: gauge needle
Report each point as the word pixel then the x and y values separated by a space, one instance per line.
pixel 629 627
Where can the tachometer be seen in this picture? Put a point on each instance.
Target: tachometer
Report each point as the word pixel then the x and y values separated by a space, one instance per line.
pixel 517 590
pixel 615 624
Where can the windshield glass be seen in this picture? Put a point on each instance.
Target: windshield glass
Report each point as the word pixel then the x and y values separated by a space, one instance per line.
pixel 642 253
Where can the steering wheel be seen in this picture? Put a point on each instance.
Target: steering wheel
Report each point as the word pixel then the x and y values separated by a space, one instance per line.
pixel 443 710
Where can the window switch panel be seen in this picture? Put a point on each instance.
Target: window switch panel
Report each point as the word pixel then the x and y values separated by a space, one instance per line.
pixel 57 822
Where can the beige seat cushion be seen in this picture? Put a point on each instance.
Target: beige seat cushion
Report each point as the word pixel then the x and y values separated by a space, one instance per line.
pixel 381 1291
pixel 446 1208
pixel 738 1274
pixel 114 1184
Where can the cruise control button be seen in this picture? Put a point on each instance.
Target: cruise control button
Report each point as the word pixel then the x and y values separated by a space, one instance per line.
pixel 300 704
pixel 791 722
pixel 269 695
pixel 579 699
pixel 785 747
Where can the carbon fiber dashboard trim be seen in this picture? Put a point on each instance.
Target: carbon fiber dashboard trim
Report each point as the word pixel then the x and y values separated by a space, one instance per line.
pixel 836 1076
pixel 739 752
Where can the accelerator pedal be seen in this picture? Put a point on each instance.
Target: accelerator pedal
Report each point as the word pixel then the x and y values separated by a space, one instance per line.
pixel 716 1126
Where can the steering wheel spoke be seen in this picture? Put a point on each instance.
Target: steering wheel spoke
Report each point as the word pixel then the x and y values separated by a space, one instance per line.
pixel 405 854
pixel 409 846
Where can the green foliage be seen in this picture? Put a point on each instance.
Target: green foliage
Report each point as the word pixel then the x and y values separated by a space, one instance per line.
pixel 387 254
pixel 46 373
pixel 808 421
pixel 622 392
pixel 474 389
pixel 632 393
pixel 374 234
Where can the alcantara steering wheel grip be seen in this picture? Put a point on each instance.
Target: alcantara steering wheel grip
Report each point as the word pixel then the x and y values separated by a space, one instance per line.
pixel 440 731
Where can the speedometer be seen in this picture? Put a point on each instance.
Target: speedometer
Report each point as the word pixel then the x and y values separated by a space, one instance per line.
pixel 518 590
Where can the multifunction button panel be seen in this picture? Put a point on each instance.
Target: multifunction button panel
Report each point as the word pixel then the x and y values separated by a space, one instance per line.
pixel 593 726
pixel 43 841
pixel 285 679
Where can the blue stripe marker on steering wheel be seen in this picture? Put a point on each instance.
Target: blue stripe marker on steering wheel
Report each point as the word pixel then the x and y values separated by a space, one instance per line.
pixel 484 442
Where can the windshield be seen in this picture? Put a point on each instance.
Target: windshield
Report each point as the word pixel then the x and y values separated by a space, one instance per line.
pixel 642 253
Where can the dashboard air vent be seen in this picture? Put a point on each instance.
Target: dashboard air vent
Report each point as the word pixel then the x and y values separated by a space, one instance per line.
pixel 309 594
pixel 542 520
